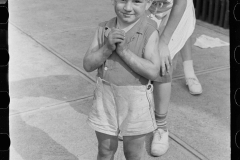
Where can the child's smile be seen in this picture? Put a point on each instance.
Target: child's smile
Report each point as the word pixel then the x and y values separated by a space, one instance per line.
pixel 129 11
pixel 128 17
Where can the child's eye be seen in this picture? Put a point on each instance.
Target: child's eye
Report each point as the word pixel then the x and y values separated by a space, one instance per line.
pixel 121 0
pixel 137 1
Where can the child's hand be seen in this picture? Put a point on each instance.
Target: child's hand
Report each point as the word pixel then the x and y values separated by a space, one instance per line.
pixel 122 45
pixel 114 37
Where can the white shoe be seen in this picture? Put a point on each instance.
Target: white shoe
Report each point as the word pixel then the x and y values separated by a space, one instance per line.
pixel 160 142
pixel 194 86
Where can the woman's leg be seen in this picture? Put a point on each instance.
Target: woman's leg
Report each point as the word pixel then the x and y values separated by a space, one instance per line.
pixel 191 79
pixel 107 146
pixel 133 147
pixel 162 94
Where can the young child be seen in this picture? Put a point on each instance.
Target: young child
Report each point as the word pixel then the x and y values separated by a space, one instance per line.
pixel 125 53
pixel 176 21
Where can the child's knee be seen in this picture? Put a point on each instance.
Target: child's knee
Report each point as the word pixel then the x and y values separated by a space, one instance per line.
pixel 133 147
pixel 107 145
pixel 132 155
pixel 107 151
pixel 106 154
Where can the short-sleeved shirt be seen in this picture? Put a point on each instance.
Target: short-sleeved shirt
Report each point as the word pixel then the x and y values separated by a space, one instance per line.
pixel 115 70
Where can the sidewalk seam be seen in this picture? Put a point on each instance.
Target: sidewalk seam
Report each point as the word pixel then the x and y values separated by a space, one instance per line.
pixel 83 73
pixel 186 146
pixel 211 70
pixel 52 105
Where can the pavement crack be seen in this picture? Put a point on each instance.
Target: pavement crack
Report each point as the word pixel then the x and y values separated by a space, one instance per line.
pixel 187 147
pixel 84 74
pixel 52 105
pixel 206 71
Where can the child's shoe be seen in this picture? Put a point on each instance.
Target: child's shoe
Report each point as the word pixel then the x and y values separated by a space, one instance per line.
pixel 194 86
pixel 160 142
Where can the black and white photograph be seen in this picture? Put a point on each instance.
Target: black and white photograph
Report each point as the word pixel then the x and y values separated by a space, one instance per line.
pixel 119 80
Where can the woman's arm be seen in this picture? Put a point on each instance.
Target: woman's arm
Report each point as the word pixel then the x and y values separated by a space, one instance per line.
pixel 176 14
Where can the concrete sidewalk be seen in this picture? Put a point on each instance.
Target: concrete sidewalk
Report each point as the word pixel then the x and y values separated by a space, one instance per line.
pixel 51 94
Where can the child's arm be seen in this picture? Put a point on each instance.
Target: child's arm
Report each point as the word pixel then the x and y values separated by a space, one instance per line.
pixel 149 65
pixel 176 14
pixel 96 56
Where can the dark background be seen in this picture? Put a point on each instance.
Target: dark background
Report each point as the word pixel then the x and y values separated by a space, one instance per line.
pixel 235 77
pixel 4 111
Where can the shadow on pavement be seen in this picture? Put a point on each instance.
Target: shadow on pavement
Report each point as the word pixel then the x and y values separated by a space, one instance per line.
pixel 60 87
pixel 33 143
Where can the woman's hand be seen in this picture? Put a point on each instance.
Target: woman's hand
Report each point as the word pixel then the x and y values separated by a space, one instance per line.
pixel 165 58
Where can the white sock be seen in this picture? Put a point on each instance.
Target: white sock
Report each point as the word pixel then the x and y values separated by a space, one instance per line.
pixel 188 69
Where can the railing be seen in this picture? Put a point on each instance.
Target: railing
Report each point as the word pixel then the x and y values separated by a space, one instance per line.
pixel 213 11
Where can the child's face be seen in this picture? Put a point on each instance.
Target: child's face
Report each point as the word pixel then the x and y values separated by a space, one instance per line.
pixel 129 11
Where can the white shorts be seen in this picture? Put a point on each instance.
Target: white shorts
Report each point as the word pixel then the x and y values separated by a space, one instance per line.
pixel 184 29
pixel 125 109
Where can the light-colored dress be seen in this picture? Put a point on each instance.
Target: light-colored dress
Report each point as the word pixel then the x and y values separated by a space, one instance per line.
pixel 185 27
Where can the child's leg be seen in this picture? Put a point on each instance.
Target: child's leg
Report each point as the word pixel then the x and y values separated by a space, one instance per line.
pixel 162 94
pixel 133 147
pixel 191 79
pixel 107 146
